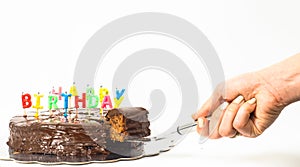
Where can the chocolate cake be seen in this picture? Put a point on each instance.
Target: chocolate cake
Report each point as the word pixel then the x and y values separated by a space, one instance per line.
pixel 87 136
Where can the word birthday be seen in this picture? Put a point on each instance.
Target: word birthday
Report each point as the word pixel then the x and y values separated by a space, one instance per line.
pixel 88 99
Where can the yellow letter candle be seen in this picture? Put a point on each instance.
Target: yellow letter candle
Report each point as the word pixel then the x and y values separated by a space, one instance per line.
pixel 37 105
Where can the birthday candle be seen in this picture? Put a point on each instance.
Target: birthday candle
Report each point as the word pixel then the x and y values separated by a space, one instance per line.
pixel 57 93
pixel 52 101
pixel 37 105
pixel 82 100
pixel 91 98
pixel 119 97
pixel 73 91
pixel 119 93
pixel 26 102
pixel 93 101
pixel 106 102
pixel 118 101
pixel 66 98
pixel 102 93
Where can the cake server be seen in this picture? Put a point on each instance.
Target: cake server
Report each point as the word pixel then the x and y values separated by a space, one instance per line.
pixel 155 145
pixel 212 119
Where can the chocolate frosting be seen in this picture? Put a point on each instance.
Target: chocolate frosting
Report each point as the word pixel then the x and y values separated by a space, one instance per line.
pixel 51 138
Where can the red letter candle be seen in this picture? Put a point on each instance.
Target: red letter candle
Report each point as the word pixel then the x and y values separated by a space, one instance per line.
pixel 82 100
pixel 26 100
pixel 106 101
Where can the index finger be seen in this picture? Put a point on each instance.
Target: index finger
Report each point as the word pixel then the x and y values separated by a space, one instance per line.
pixel 208 107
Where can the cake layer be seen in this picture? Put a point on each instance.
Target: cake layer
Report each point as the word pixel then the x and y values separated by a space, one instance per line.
pixel 130 121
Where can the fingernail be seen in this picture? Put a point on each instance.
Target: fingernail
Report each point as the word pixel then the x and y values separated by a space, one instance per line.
pixel 238 100
pixel 200 122
pixel 251 101
pixel 224 105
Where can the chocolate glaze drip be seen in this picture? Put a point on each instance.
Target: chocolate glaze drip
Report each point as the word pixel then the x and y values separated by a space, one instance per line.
pixel 88 138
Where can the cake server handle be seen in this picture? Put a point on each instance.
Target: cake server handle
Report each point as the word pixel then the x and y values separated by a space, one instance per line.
pixel 213 119
pixel 182 129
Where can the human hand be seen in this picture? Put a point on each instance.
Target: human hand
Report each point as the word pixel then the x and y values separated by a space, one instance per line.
pixel 253 106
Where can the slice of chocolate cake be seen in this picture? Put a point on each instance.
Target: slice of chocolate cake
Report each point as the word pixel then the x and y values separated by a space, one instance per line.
pixel 129 122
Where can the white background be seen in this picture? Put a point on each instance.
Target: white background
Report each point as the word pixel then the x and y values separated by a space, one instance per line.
pixel 40 42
